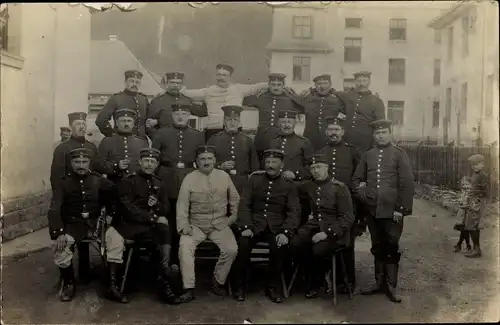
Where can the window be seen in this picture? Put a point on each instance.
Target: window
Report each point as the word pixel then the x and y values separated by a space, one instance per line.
pixel 488 109
pixel 465 36
pixel 435 114
pixel 437 36
pixel 448 104
pixel 397 29
pixel 395 110
pixel 396 71
pixel 4 33
pixel 353 22
pixel 352 49
pixel 301 68
pixel 302 27
pixel 437 71
pixel 450 44
pixel 349 83
pixel 463 102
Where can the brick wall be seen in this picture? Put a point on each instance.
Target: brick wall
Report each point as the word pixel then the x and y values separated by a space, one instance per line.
pixel 24 215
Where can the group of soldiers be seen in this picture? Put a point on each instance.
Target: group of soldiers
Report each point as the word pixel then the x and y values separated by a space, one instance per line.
pixel 161 180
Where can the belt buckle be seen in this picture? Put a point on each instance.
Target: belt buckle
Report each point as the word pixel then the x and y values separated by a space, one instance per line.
pixel 180 165
pixel 232 172
pixel 85 215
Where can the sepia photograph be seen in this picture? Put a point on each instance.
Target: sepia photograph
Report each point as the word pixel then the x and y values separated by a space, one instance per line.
pixel 301 162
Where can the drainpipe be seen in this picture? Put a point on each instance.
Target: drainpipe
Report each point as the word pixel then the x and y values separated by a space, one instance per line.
pixel 483 70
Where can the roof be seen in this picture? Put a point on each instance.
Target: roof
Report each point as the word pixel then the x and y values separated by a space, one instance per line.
pixel 450 15
pixel 108 61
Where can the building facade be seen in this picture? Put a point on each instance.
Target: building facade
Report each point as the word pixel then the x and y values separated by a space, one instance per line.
pixel 390 39
pixel 468 37
pixel 40 83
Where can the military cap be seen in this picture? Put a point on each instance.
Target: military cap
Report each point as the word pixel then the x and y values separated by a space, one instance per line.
pixel 80 153
pixel 317 159
pixel 287 114
pixel 150 153
pixel 232 110
pixel 362 74
pixel 174 75
pixel 225 66
pixel 181 107
pixel 476 159
pixel 124 112
pixel 273 153
pixel 277 77
pixel 381 124
pixel 133 74
pixel 323 77
pixel 205 149
pixel 65 128
pixel 77 116
pixel 335 120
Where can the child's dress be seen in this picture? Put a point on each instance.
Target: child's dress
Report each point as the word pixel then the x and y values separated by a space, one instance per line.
pixel 463 207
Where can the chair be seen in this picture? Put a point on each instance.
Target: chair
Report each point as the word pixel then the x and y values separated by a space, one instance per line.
pixel 208 250
pixel 132 246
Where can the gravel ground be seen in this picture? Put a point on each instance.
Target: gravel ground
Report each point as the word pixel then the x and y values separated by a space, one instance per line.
pixel 437 285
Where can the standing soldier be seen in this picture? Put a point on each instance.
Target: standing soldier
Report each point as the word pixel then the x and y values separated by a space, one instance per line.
pixel 130 98
pixel 235 152
pixel 342 159
pixel 160 109
pixel 74 211
pixel 362 108
pixel 320 102
pixel 120 153
pixel 177 144
pixel 269 102
pixel 65 134
pixel 384 183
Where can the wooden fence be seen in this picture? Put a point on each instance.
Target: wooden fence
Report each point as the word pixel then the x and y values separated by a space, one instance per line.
pixel 445 166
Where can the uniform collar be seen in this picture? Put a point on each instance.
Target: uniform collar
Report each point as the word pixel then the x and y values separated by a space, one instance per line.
pixel 180 127
pixel 332 143
pixel 78 139
pixel 274 177
pixel 173 93
pixel 322 182
pixel 383 146
pixel 143 174
pixel 365 92
pixel 287 135
pixel 330 91
pixel 131 93
pixel 124 134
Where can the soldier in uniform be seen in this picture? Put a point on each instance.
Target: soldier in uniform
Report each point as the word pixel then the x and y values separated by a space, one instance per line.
pixel 269 102
pixel 65 134
pixel 143 205
pixel 329 224
pixel 177 144
pixel 130 98
pixel 120 153
pixel 384 183
pixel 343 158
pixel 76 205
pixel 269 211
pixel 296 148
pixel 320 102
pixel 160 110
pixel 362 108
pixel 235 152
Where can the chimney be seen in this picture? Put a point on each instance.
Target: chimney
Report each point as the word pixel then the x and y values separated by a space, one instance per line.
pixel 113 37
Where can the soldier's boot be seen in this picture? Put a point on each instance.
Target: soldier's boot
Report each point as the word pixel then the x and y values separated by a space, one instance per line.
pixel 392 283
pixel 67 287
pixel 274 295
pixel 83 264
pixel 165 276
pixel 380 282
pixel 314 279
pixel 114 293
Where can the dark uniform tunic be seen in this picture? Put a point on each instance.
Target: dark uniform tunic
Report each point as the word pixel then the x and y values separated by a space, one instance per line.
pixel 389 187
pixel 316 108
pixel 160 109
pixel 343 159
pixel 240 149
pixel 61 163
pixel 298 150
pixel 269 105
pixel 268 207
pixel 139 220
pixel 124 99
pixel 119 147
pixel 77 195
pixel 362 108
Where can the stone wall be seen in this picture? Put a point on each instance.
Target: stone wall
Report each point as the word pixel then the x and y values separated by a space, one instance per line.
pixel 24 215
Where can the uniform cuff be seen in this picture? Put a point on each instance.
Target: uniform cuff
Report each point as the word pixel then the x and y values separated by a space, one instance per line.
pixel 245 227
pixel 332 233
pixel 288 233
pixel 54 233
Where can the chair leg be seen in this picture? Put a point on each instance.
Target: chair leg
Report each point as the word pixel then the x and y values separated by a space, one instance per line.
pixel 127 265
pixel 292 280
pixel 334 280
pixel 346 280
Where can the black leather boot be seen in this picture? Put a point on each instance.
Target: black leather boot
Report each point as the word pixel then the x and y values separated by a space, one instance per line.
pixel 67 287
pixel 392 283
pixel 114 293
pixel 274 295
pixel 83 264
pixel 380 282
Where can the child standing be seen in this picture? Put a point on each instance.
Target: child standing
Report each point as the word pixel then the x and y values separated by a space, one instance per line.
pixel 461 214
pixel 477 204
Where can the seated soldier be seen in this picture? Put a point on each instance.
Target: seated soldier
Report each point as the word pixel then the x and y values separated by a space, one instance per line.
pixel 329 224
pixel 75 208
pixel 142 206
pixel 269 211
